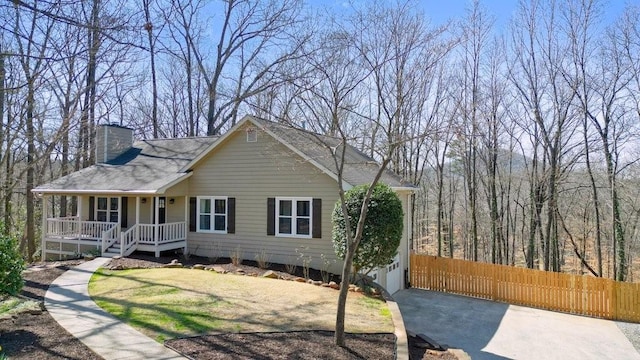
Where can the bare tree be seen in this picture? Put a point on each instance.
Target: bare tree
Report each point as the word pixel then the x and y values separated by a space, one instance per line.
pixel 254 39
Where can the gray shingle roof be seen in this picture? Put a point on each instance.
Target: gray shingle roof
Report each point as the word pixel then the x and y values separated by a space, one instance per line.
pixel 358 169
pixel 147 167
pixel 152 165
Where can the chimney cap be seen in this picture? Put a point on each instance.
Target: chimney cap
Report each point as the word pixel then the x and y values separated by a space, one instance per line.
pixel 116 125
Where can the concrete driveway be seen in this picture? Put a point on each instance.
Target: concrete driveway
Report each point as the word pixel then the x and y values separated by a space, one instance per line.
pixel 490 330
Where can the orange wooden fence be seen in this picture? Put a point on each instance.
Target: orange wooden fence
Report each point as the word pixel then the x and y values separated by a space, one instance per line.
pixel 575 294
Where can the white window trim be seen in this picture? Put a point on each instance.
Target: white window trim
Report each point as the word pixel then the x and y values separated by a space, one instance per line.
pixel 294 216
pixel 213 214
pixel 108 210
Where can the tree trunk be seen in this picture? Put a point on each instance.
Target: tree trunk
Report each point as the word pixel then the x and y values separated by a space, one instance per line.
pixel 154 86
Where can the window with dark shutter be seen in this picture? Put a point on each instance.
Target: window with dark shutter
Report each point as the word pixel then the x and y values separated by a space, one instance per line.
pixel 292 217
pixel 231 215
pixel 192 214
pixel 92 208
pixel 317 218
pixel 124 211
pixel 271 216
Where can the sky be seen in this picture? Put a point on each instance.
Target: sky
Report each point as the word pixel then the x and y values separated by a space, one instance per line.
pixel 439 11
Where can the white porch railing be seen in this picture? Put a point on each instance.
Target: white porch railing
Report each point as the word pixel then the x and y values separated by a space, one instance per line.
pixel 166 233
pixel 129 240
pixel 71 230
pixel 65 226
pixel 72 227
pixel 151 235
pixel 110 237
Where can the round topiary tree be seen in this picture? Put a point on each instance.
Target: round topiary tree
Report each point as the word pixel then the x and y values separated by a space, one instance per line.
pixel 11 266
pixel 382 228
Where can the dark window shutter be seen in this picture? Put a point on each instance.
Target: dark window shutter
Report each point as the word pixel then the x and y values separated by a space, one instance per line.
pixel 124 211
pixel 92 208
pixel 316 232
pixel 192 214
pixel 231 215
pixel 271 216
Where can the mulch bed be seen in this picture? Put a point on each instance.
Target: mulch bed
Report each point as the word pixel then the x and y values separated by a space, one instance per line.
pixel 38 336
pixel 285 345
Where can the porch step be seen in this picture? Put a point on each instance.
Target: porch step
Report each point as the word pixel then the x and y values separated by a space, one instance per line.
pixel 112 251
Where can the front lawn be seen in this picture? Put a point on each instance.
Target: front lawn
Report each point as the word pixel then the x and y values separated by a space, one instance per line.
pixel 168 303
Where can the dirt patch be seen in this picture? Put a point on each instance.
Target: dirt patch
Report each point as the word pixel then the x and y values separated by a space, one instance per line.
pixel 285 345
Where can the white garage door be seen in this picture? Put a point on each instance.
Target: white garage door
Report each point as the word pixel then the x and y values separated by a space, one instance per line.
pixel 394 275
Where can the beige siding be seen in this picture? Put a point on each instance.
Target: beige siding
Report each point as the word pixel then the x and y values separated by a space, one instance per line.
pixel 175 211
pixel 252 172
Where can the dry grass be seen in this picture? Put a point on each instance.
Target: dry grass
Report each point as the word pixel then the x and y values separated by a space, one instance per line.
pixel 167 303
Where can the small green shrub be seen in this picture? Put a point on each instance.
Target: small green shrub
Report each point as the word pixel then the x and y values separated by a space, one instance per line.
pixel 11 266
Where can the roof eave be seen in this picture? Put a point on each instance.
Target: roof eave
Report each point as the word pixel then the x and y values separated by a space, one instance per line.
pixel 404 188
pixel 159 191
pixel 93 192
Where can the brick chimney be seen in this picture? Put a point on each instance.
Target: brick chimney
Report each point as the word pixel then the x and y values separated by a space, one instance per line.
pixel 111 141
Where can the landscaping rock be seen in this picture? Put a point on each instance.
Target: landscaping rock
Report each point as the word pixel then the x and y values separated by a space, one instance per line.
pixel 270 274
pixel 334 285
pixel 117 257
pixel 325 285
pixel 316 283
pixel 300 280
pixel 358 289
pixel 219 269
pixel 198 267
pixel 177 265
pixel 173 264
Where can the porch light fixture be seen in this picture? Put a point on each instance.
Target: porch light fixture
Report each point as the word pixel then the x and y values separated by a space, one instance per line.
pixel 172 200
pixel 144 200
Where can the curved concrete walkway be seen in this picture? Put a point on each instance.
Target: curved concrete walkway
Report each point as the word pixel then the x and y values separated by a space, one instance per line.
pixel 68 302
pixel 495 331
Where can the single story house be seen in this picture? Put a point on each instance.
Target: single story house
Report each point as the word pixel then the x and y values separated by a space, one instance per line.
pixel 261 188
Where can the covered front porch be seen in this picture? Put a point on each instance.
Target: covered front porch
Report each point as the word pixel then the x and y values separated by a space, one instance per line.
pixel 111 225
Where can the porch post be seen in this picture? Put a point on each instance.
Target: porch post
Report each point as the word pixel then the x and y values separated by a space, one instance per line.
pixel 155 226
pixel 44 227
pixel 406 279
pixel 79 215
pixel 186 222
pixel 137 218
pixel 119 210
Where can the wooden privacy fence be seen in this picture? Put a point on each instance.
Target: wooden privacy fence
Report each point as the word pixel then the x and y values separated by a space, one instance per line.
pixel 575 294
